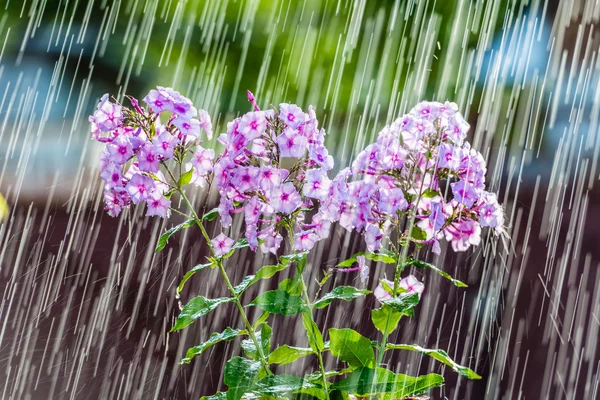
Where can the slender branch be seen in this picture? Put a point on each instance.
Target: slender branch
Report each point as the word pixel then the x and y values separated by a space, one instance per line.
pixel 236 298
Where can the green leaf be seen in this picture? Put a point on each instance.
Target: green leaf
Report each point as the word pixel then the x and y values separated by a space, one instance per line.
pixel 189 274
pixel 439 355
pixel 291 286
pixel 384 256
pixel 186 177
pixel 210 215
pixel 430 193
pixel 264 339
pixel 261 320
pixel 315 337
pixel 216 396
pixel 196 308
pixel 351 347
pixel 347 293
pixel 227 335
pixel 418 233
pixel 423 265
pixel 239 376
pixel 164 238
pixel 282 384
pixel 404 303
pixel 365 381
pixel 410 386
pixel 287 354
pixel 264 273
pixel 298 258
pixel 380 316
pixel 279 302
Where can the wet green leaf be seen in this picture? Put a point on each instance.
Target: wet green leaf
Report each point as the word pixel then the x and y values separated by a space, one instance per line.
pixel 191 272
pixel 366 381
pixel 347 293
pixel 423 265
pixel 384 256
pixel 287 354
pixel 196 308
pixel 282 384
pixel 418 233
pixel 211 215
pixel 380 316
pixel 291 286
pixel 264 339
pixel 239 376
pixel 264 273
pixel 404 303
pixel 279 302
pixel 186 177
pixel 164 238
pixel 439 355
pixel 351 347
pixel 315 337
pixel 227 335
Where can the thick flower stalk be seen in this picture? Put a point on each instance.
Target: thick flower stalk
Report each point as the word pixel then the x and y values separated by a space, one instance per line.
pixel 138 149
pixel 274 170
pixel 420 182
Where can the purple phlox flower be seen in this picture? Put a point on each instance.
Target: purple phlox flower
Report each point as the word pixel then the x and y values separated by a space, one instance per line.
pixel 181 105
pixel 205 123
pixel 188 126
pixel 245 179
pixel 285 198
pixel 252 125
pixel 108 116
pixel 225 208
pixel 202 160
pixel 148 159
pixel 292 115
pixel 393 156
pixel 222 245
pixel 115 200
pixel 316 184
pixel 463 234
pixel 158 205
pixel 158 100
pixel 449 156
pixel 427 110
pixel 291 144
pixel 259 148
pixel 392 200
pixel 380 293
pixel 489 211
pixel 270 241
pixel 411 285
pixel 139 188
pixel 112 175
pixel 373 237
pixel 320 155
pixel 464 193
pixel 164 144
pixel 270 177
pixel 457 129
pixel 305 240
pixel 364 269
pixel 119 150
pixel 252 100
pixel 321 226
pixel 252 211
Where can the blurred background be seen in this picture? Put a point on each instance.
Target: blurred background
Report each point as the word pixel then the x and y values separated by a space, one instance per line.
pixel 85 303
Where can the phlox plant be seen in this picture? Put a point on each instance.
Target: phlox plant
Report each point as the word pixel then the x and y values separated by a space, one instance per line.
pixel 418 184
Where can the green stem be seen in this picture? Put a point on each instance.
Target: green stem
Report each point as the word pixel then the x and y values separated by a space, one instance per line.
pixel 236 298
pixel 310 314
pixel 398 273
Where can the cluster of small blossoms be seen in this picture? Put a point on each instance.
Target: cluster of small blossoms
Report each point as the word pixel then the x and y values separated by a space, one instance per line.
pixel 404 175
pixel 136 142
pixel 273 170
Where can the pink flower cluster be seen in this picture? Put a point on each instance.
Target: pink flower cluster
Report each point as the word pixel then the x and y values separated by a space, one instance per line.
pixel 136 142
pixel 274 168
pixel 405 174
